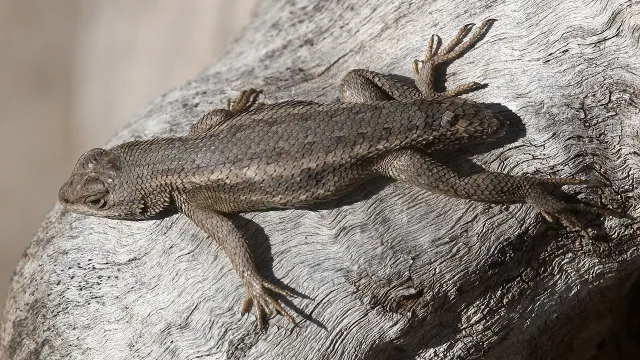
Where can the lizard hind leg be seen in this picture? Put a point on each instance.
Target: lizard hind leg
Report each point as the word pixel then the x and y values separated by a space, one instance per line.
pixel 414 168
pixel 437 55
pixel 554 209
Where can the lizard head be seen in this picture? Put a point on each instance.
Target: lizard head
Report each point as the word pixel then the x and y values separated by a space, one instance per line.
pixel 92 188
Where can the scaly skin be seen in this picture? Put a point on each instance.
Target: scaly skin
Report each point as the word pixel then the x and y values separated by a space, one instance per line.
pixel 253 156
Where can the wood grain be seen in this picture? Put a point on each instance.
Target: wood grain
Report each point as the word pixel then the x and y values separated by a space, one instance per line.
pixel 393 272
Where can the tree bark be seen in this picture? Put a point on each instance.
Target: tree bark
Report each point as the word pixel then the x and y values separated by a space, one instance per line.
pixel 391 271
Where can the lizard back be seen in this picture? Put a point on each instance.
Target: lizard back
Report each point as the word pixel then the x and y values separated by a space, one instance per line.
pixel 318 150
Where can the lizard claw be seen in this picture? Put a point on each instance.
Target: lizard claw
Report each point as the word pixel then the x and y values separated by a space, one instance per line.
pixel 245 101
pixel 257 295
pixel 215 119
pixel 457 46
pixel 437 54
pixel 554 209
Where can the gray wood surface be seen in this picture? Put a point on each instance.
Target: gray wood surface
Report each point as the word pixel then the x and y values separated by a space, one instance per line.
pixel 393 272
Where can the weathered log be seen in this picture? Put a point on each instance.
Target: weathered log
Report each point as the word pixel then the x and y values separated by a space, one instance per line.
pixel 391 271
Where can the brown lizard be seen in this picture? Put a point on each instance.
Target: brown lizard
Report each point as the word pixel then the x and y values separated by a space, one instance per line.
pixel 297 153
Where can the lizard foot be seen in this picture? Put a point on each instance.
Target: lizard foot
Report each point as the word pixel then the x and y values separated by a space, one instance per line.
pixel 245 101
pixel 555 210
pixel 436 55
pixel 257 294
pixel 215 119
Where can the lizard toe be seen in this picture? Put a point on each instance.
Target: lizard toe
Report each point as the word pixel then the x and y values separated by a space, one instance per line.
pixel 554 209
pixel 257 294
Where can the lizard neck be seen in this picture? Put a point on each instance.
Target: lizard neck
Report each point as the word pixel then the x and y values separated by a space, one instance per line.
pixel 153 170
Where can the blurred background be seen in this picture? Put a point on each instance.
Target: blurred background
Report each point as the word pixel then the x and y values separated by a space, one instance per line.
pixel 72 72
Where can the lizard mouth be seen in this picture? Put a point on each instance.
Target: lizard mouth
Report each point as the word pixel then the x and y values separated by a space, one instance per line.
pixel 64 195
pixel 89 190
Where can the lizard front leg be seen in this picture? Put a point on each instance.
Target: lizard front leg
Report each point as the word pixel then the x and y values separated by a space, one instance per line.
pixel 214 119
pixel 222 230
pixel 415 168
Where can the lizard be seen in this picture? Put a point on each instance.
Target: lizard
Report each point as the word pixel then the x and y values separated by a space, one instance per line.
pixel 263 157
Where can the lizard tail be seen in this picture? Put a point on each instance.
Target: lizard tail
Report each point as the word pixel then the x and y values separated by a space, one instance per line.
pixel 575 181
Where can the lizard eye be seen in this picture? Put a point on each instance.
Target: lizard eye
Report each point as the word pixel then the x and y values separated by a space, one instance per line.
pixel 97 203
